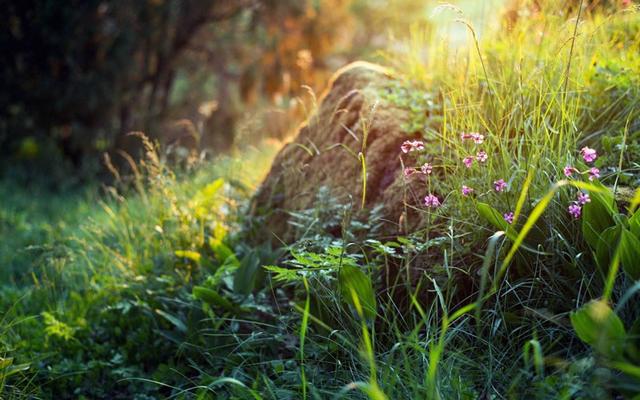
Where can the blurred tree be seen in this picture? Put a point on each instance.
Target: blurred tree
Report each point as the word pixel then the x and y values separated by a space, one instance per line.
pixel 81 73
pixel 78 75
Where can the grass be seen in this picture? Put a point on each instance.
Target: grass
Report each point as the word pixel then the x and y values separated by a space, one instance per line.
pixel 149 290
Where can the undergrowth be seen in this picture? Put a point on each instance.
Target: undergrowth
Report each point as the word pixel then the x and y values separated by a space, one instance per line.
pixel 152 292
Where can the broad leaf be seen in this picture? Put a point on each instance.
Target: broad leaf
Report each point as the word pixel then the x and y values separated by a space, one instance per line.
pixel 212 298
pixel 607 245
pixel 175 321
pixel 629 249
pixel 353 281
pixel 496 219
pixel 634 223
pixel 597 325
pixel 245 277
pixel 597 215
pixel 220 250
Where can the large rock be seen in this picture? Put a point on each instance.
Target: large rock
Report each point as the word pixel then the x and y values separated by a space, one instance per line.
pixel 318 157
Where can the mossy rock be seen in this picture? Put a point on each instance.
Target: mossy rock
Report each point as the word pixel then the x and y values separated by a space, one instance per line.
pixel 324 153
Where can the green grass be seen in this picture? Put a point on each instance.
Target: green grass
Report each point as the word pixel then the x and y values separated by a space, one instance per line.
pixel 151 291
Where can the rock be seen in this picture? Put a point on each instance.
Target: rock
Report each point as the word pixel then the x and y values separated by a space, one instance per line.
pixel 325 152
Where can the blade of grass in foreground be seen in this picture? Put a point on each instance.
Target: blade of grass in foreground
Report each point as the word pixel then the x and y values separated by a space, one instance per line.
pixel 303 335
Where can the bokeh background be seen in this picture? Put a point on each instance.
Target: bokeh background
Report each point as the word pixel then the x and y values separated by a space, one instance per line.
pixel 198 76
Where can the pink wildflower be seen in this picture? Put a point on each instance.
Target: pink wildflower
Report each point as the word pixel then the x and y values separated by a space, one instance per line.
pixel 583 198
pixel 409 171
pixel 569 171
pixel 588 154
pixel 466 190
pixel 431 201
pixel 508 217
pixel 594 173
pixel 411 145
pixel 477 138
pixel 426 169
pixel 468 161
pixel 499 185
pixel 575 210
pixel 482 156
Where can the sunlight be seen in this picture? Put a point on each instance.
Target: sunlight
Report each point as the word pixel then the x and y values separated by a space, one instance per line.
pixel 310 199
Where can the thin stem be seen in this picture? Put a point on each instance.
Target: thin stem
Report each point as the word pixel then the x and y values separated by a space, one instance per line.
pixel 573 42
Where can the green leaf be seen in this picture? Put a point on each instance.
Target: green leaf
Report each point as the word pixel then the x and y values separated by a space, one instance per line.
pixel 353 281
pixel 607 245
pixel 212 297
pixel 597 325
pixel 284 274
pixel 629 248
pixel 245 277
pixel 220 250
pixel 629 369
pixel 188 254
pixel 635 202
pixel 175 321
pixel 597 215
pixel 7 368
pixel 634 223
pixel 492 215
pixel 205 200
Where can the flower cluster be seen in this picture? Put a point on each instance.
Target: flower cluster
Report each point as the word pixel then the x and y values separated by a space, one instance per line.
pixel 425 169
pixel 466 190
pixel 508 217
pixel 476 137
pixel 481 157
pixel 575 208
pixel 500 185
pixel 430 200
pixel 593 172
pixel 412 145
pixel 589 155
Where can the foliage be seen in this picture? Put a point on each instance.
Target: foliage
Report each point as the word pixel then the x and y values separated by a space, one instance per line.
pixel 149 289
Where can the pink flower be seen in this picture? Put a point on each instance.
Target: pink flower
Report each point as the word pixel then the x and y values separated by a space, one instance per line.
pixel 468 161
pixel 499 185
pixel 409 171
pixel 482 156
pixel 426 169
pixel 588 154
pixel 411 145
pixel 594 173
pixel 583 198
pixel 575 210
pixel 508 217
pixel 466 190
pixel 477 138
pixel 431 201
pixel 569 170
